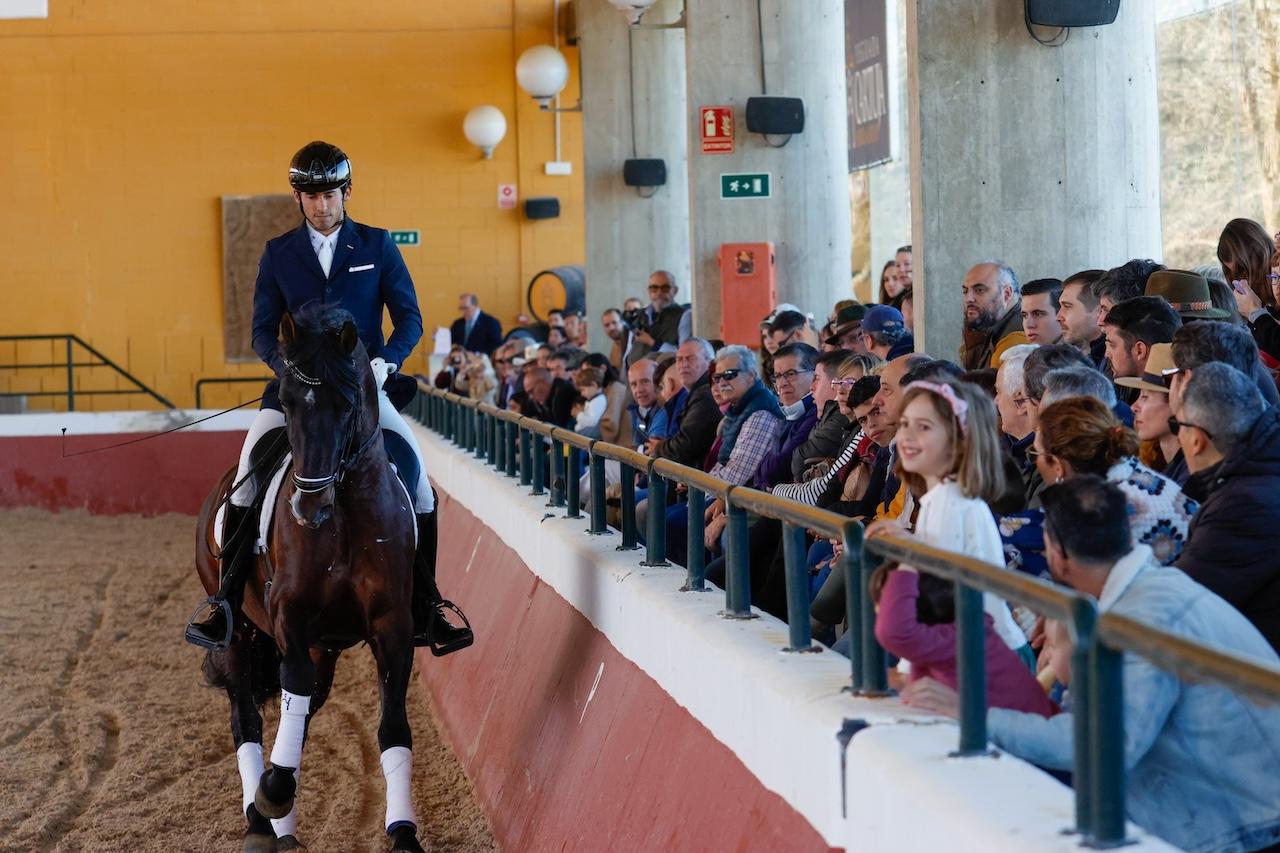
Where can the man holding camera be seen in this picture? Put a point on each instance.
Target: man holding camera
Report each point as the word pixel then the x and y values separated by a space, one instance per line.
pixel 657 328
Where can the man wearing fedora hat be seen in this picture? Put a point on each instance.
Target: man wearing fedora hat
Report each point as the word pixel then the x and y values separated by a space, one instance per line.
pixel 1187 293
pixel 1151 411
pixel 848 329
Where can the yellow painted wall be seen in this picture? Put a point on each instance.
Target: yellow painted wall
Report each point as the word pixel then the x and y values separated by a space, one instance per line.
pixel 123 123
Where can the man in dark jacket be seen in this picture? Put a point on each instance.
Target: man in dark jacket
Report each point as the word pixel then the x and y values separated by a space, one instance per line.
pixel 475 331
pixel 828 434
pixel 695 430
pixel 794 366
pixel 545 398
pixel 1231 441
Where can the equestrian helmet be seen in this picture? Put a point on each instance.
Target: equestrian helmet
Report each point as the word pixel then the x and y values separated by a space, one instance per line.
pixel 319 167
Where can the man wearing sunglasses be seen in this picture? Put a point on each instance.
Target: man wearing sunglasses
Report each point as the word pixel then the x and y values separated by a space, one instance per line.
pixel 660 322
pixel 1231 441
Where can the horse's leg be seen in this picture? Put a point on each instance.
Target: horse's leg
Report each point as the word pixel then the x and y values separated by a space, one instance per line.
pixel 274 797
pixel 232 669
pixel 286 828
pixel 392 646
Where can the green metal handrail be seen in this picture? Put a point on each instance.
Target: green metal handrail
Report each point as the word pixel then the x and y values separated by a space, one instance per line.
pixel 72 341
pixel 1099 639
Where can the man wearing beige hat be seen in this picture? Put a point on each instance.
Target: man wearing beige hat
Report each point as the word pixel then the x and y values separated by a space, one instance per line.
pixel 1151 411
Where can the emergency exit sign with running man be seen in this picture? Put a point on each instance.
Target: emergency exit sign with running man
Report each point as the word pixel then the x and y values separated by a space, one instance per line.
pixel 749 185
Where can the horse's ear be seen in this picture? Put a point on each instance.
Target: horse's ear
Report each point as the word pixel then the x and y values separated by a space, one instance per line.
pixel 349 337
pixel 288 333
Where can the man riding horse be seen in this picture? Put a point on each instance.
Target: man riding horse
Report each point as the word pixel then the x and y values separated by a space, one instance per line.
pixel 331 259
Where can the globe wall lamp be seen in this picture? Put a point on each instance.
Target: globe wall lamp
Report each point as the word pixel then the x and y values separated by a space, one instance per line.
pixel 542 71
pixel 484 127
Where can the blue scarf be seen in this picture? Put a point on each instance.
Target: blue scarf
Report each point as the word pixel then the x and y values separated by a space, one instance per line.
pixel 758 398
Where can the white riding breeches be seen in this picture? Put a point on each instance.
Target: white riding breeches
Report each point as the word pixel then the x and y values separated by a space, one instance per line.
pixel 388 418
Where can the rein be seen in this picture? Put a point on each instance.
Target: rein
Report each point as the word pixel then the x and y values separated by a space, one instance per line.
pixel 312 485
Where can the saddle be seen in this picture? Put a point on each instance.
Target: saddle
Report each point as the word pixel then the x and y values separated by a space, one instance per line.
pixel 270 458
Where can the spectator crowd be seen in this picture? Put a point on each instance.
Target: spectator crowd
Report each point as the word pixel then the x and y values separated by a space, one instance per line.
pixel 1114 430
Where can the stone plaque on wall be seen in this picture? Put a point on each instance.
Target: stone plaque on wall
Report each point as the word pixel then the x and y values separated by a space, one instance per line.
pixel 248 222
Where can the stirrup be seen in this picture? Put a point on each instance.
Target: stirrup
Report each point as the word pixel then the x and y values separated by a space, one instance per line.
pixel 465 636
pixel 195 638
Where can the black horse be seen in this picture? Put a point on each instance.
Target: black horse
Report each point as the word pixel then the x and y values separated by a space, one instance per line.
pixel 337 570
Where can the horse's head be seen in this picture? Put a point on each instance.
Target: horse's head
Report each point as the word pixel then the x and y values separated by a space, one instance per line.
pixel 330 405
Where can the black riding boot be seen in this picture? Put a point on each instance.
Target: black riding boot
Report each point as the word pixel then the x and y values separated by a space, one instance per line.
pixel 213 621
pixel 430 627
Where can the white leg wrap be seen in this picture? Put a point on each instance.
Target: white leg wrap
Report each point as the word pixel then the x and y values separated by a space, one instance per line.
pixel 389 418
pixel 265 421
pixel 287 750
pixel 397 768
pixel 288 825
pixel 249 760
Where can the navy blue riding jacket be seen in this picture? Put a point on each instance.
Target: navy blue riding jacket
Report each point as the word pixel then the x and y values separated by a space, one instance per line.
pixel 367 273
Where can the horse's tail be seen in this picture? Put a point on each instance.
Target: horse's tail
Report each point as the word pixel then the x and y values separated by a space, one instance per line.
pixel 251 662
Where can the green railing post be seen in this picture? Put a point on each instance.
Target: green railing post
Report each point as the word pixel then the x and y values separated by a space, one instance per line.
pixel 539 465
pixel 71 378
pixel 500 444
pixel 598 525
pixel 737 564
pixel 572 484
pixel 1084 618
pixel 696 546
pixel 656 540
pixel 1106 757
pixel 851 565
pixel 875 676
pixel 511 441
pixel 630 535
pixel 479 433
pixel 469 429
pixel 793 555
pixel 526 455
pixel 491 439
pixel 557 473
pixel 450 421
pixel 971 670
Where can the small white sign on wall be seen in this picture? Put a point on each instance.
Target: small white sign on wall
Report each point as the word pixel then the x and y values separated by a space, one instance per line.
pixel 24 9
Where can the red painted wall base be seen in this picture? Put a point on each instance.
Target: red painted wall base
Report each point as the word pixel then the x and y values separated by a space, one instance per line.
pixel 172 473
pixel 570 745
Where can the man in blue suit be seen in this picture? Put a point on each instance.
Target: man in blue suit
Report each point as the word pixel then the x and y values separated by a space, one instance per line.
pixel 475 331
pixel 331 259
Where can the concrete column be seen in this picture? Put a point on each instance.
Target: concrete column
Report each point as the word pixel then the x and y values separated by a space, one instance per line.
pixel 628 236
pixel 1045 157
pixel 807 216
pixel 891 182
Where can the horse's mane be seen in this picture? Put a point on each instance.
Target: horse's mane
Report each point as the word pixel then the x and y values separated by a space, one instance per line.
pixel 316 349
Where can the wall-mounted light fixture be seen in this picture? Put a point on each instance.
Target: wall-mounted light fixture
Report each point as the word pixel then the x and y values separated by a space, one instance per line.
pixel 484 127
pixel 543 72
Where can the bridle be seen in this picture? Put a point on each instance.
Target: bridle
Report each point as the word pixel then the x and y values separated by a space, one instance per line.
pixel 312 485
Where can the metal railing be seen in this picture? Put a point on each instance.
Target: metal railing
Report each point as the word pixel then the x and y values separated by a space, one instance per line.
pixel 70 365
pixel 517 446
pixel 224 380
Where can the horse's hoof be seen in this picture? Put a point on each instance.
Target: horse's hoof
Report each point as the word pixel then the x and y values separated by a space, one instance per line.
pixel 405 840
pixel 274 797
pixel 266 808
pixel 289 842
pixel 258 843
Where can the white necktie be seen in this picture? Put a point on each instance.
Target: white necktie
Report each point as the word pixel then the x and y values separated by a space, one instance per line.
pixel 325 256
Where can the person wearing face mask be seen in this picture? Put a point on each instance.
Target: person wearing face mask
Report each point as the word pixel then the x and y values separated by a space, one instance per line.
pixel 794 366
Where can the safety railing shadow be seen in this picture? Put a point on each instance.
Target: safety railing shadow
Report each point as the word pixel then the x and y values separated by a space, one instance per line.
pixel 546 458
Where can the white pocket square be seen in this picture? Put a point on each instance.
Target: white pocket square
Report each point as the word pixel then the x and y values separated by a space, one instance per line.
pixel 360 268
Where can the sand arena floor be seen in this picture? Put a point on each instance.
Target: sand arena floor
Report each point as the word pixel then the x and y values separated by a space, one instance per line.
pixel 109 740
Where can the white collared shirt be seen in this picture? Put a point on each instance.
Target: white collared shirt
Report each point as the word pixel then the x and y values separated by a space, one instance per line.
pixel 1123 573
pixel 318 240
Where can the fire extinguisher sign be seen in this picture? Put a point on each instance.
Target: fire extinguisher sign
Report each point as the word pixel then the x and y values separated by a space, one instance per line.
pixel 716 129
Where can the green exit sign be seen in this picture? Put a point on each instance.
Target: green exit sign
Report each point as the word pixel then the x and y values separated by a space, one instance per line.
pixel 405 238
pixel 748 185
